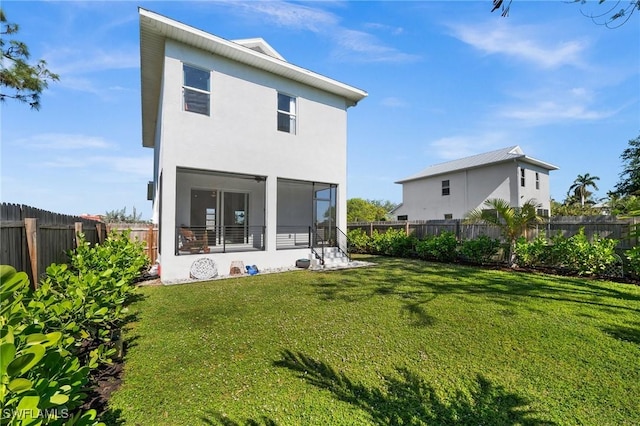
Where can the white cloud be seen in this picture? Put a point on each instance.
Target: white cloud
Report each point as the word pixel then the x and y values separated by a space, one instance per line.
pixel 530 44
pixel 549 106
pixel 64 141
pixel 460 146
pixel 77 61
pixel 360 46
pixel 111 168
pixel 386 28
pixel 290 15
pixel 350 45
pixel 394 102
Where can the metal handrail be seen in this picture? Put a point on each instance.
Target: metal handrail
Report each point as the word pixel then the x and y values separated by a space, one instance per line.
pixel 342 243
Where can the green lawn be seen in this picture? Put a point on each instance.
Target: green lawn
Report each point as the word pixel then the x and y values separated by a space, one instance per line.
pixel 404 342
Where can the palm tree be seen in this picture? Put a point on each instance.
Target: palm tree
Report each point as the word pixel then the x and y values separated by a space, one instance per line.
pixel 581 184
pixel 512 221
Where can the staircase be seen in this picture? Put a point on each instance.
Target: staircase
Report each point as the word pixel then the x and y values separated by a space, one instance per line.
pixel 333 258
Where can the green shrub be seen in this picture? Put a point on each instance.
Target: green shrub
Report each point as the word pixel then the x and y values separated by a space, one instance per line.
pixel 41 382
pixel 358 241
pixel 441 248
pixel 534 253
pixel 393 242
pixel 51 338
pixel 632 262
pixel 480 250
pixel 577 254
pixel 118 253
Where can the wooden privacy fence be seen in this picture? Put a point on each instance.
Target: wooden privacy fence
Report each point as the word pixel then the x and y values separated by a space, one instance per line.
pixel 145 232
pixel 604 226
pixel 31 239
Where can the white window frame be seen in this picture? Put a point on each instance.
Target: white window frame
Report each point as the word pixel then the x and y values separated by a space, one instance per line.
pixel 446 188
pixel 522 177
pixel 185 88
pixel 537 180
pixel 292 113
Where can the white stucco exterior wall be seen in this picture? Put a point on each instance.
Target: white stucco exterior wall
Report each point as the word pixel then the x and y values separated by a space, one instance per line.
pixel 240 136
pixel 422 199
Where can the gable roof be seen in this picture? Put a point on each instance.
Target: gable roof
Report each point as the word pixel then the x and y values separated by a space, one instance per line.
pixel 511 153
pixel 260 45
pixel 256 53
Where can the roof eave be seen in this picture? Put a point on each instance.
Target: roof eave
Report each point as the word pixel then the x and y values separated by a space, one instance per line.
pixel 523 158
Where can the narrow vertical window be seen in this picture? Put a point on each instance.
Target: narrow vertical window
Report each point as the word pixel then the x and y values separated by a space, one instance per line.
pixel 196 90
pixel 521 177
pixel 286 113
pixel 537 180
pixel 445 187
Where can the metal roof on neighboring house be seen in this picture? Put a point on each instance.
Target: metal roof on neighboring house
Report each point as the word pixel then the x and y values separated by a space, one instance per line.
pixel 480 160
pixel 155 29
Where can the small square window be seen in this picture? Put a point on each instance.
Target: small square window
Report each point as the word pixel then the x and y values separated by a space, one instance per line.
pixel 448 216
pixel 445 187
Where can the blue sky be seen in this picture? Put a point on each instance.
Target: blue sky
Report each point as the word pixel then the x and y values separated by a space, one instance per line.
pixel 445 80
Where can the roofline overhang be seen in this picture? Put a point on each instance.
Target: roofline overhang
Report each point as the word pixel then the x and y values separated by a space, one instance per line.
pixel 522 158
pixel 154 27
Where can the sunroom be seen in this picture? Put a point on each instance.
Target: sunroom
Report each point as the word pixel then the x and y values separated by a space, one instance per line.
pixel 221 212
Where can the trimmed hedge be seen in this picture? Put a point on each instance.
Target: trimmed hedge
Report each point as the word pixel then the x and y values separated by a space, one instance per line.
pixel 575 255
pixel 53 337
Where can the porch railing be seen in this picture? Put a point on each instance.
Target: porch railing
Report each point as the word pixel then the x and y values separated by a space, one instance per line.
pixel 293 237
pixel 219 239
pixel 324 237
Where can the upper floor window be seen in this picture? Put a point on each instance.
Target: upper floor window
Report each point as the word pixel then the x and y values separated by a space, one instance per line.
pixel 521 177
pixel 537 180
pixel 196 89
pixel 445 187
pixel 448 216
pixel 286 113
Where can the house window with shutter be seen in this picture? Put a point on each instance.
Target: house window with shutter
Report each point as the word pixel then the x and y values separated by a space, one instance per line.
pixel 521 177
pixel 445 187
pixel 196 90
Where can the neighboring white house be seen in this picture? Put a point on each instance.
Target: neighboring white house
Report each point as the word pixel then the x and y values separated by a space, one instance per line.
pixel 250 151
pixel 450 190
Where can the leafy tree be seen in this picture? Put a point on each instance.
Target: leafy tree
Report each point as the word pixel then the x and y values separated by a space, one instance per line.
pixel 360 210
pixel 613 14
pixel 121 216
pixel 623 205
pixel 18 79
pixel 386 205
pixel 512 221
pixel 572 207
pixel 630 177
pixel 580 185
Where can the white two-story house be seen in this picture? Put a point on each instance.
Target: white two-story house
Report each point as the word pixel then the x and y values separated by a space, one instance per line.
pixel 450 190
pixel 250 151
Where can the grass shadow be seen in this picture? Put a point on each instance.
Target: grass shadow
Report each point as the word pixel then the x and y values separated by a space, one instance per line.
pixel 425 281
pixel 626 334
pixel 217 419
pixel 406 398
pixel 112 418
